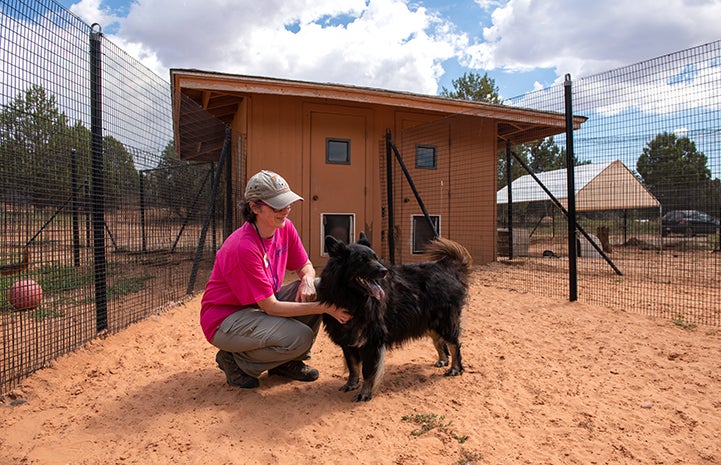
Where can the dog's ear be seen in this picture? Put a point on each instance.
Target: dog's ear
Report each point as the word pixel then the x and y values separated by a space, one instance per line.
pixel 363 239
pixel 333 246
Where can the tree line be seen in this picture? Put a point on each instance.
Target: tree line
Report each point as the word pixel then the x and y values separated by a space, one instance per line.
pixel 36 145
pixel 38 142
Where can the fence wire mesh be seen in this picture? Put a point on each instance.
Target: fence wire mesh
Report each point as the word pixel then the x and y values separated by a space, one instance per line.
pixel 648 150
pixel 647 190
pixel 152 206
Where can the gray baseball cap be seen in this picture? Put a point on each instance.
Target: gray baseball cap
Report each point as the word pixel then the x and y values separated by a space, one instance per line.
pixel 270 188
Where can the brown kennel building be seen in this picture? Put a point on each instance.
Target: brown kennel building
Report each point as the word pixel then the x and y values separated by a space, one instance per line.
pixel 328 142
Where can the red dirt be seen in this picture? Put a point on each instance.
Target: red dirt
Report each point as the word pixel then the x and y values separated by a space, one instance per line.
pixel 546 381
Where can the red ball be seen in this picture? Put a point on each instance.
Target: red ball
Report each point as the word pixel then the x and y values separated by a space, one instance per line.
pixel 25 294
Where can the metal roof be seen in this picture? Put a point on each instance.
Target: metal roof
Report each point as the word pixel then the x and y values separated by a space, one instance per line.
pixel 599 186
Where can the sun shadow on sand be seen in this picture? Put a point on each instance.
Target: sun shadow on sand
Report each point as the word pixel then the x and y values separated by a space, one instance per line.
pixel 204 393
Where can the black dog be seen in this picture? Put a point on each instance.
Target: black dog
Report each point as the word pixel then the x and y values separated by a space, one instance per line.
pixel 391 305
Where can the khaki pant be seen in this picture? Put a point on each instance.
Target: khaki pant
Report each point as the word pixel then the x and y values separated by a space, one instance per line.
pixel 259 341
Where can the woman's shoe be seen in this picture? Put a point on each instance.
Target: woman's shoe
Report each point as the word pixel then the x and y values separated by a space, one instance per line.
pixel 296 370
pixel 233 374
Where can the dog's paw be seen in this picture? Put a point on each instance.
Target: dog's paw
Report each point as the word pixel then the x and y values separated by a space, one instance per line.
pixel 362 397
pixel 441 363
pixel 453 372
pixel 349 387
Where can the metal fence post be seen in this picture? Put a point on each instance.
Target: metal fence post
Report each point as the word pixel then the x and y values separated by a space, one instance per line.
pixel 228 225
pixel 98 191
pixel 224 153
pixel 571 188
pixel 389 190
pixel 74 207
pixel 143 238
pixel 510 199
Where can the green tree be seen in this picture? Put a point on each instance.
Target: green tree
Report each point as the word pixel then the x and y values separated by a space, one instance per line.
pixel 121 177
pixel 31 127
pixel 545 155
pixel 473 86
pixel 35 148
pixel 540 155
pixel 676 173
pixel 177 184
pixel 516 169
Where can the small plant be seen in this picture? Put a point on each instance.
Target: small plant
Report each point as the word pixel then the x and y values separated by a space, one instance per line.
pixel 43 313
pixel 430 421
pixel 57 279
pixel 469 458
pixel 427 422
pixel 680 320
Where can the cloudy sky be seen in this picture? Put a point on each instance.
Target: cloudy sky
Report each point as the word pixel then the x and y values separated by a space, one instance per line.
pixel 410 45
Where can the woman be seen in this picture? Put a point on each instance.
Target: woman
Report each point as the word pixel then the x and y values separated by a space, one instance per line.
pixel 256 323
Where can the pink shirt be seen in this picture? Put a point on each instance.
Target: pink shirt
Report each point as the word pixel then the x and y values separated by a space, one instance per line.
pixel 246 271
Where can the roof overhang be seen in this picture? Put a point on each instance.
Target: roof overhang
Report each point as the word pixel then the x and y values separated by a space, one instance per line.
pixel 204 103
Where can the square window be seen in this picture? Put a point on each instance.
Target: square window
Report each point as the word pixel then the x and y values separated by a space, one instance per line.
pixel 426 156
pixel 422 233
pixel 337 151
pixel 339 225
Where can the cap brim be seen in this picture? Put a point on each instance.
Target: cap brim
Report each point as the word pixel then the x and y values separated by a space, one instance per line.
pixel 282 200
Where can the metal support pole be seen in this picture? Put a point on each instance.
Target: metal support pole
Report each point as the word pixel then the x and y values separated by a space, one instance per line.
pixel 571 192
pixel 98 190
pixel 558 205
pixel 229 208
pixel 143 240
pixel 75 207
pixel 389 191
pixel 225 152
pixel 412 185
pixel 510 199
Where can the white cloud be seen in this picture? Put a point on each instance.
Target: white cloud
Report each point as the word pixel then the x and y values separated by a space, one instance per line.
pixel 661 93
pixel 587 37
pixel 91 11
pixel 400 44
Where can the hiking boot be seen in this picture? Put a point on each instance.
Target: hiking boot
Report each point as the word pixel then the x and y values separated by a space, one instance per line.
pixel 296 370
pixel 234 376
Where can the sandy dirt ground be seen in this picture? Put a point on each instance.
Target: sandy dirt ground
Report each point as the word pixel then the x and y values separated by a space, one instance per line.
pixel 546 382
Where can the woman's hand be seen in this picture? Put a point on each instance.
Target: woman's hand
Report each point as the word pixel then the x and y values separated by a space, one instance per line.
pixel 340 314
pixel 306 290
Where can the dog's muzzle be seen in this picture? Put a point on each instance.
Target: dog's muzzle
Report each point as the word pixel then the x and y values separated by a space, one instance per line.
pixel 373 288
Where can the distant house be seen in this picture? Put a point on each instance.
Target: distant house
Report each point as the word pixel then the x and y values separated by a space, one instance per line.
pixel 327 140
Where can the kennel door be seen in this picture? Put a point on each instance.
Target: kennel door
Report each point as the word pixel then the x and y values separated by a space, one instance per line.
pixel 338 174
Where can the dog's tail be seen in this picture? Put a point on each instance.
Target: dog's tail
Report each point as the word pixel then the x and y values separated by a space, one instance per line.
pixel 442 248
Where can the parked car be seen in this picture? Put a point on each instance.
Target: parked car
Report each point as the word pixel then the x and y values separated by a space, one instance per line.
pixel 688 222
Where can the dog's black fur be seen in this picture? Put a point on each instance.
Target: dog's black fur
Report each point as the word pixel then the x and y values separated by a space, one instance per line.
pixel 391 305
